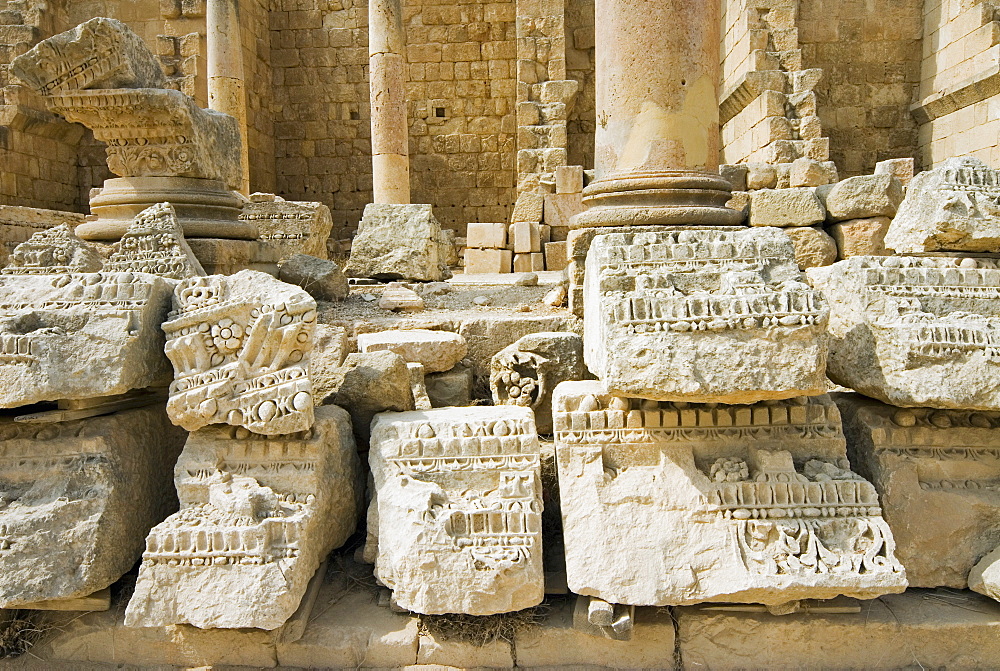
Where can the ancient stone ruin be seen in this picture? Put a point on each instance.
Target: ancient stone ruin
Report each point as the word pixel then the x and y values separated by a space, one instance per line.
pixel 626 335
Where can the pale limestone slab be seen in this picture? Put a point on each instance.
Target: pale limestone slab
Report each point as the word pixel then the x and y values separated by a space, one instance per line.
pixel 101 53
pixel 702 315
pixel 915 331
pixel 154 243
pixel 258 516
pixel 526 373
pixel 399 242
pixel 458 507
pixel 954 207
pixel 936 472
pixel 813 247
pixel 240 347
pixel 692 503
pixel 80 335
pixel 79 497
pixel 290 227
pixel 437 351
pixel 324 280
pixel 785 207
pixel 862 197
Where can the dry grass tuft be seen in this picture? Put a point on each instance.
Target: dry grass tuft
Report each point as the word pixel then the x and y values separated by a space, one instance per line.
pixel 19 633
pixel 480 630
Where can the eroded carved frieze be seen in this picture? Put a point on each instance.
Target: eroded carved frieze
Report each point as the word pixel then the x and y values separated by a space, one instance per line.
pixel 710 502
pixel 258 516
pixel 937 473
pixel 288 226
pixel 458 509
pixel 702 315
pixel 915 331
pixel 77 499
pixel 154 243
pixel 240 348
pixel 52 252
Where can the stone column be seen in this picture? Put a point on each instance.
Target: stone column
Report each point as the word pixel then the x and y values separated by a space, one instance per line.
pixel 387 76
pixel 225 70
pixel 657 139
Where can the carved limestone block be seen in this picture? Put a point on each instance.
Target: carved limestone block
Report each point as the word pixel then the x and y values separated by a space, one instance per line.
pixel 80 335
pixel 154 243
pixel 240 349
pixel 702 315
pixel 77 499
pixel 915 331
pixel 258 516
pixel 954 207
pixel 527 372
pixel 674 503
pixel 290 227
pixel 458 504
pixel 156 133
pixel 52 252
pixel 937 473
pixel 399 242
pixel 99 54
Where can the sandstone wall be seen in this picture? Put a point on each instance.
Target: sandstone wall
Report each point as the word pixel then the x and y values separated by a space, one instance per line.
pixel 958 107
pixel 582 120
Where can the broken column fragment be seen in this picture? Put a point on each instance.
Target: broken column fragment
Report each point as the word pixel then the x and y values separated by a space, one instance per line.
pixel 258 516
pixel 459 509
pixel 734 503
pixel 78 498
pixel 240 349
pixel 915 331
pixel 709 315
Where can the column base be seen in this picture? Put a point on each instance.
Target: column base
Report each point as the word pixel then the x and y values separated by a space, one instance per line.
pixel 658 198
pixel 205 207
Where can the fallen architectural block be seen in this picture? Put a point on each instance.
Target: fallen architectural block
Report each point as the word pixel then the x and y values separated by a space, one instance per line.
pixel 915 331
pixel 258 516
pixel 290 227
pixel 399 242
pixel 154 243
pixel 52 252
pixel 437 351
pixel 99 54
pixel 862 197
pixel 936 473
pixel 527 372
pixel 459 509
pixel 785 207
pixel 79 497
pixel 702 315
pixel 672 504
pixel 813 247
pixel 953 207
pixel 324 280
pixel 240 349
pixel 369 383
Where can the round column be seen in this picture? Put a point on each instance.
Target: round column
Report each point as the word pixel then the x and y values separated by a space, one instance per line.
pixel 657 138
pixel 226 92
pixel 387 77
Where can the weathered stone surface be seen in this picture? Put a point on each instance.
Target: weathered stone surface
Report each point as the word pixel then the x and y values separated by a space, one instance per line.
pixel 323 279
pixel 399 242
pixel 860 237
pixel 985 575
pixel 155 244
pixel 421 401
pixel 370 383
pixel 80 335
pixel 451 388
pixel 330 348
pixel 54 251
pixel 901 168
pixel 810 172
pixel 527 372
pixel 18 224
pixel 79 498
pixel 862 197
pixel 291 227
pixel 761 176
pixel 258 516
pixel 99 54
pixel 678 487
pixel 952 207
pixel 458 496
pixel 240 347
pixel 785 207
pixel 915 331
pixel 398 297
pixel 929 629
pixel 702 315
pixel 813 247
pixel 935 472
pixel 437 351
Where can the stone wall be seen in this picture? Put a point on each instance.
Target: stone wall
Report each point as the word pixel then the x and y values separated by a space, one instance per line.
pixel 958 108
pixel 869 53
pixel 580 66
